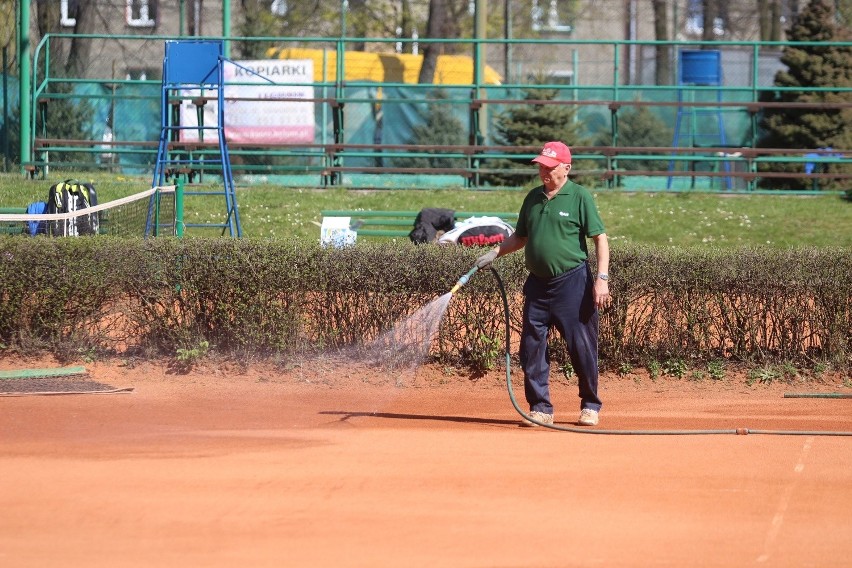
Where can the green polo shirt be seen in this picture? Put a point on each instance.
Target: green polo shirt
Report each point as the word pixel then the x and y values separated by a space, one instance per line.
pixel 556 229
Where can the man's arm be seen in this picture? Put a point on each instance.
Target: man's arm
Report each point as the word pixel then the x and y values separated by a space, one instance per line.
pixel 512 243
pixel 601 290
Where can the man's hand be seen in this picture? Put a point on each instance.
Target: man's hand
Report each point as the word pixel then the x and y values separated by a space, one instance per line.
pixel 603 299
pixel 486 259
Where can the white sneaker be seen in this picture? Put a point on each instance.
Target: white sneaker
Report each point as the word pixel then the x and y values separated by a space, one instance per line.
pixel 588 417
pixel 542 417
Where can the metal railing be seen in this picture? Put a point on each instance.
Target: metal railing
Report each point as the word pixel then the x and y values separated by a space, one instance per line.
pixel 363 128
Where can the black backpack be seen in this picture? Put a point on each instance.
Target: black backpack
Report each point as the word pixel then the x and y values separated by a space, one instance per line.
pixel 69 196
pixel 428 222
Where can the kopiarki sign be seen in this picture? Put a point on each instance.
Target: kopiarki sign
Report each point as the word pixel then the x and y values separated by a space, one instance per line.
pixel 261 103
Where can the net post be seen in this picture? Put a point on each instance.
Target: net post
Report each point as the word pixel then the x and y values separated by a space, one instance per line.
pixel 157 212
pixel 179 226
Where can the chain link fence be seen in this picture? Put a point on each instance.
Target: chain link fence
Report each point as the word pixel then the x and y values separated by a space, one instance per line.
pixel 370 109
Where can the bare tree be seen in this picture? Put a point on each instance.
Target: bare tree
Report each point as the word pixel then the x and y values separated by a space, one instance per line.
pixel 80 50
pixel 406 22
pixel 710 11
pixel 434 28
pixel 304 18
pixel 764 19
pixel 775 28
pixel 444 21
pixel 47 20
pixel 358 9
pixel 662 56
pixel 195 18
pixel 385 19
pixel 8 33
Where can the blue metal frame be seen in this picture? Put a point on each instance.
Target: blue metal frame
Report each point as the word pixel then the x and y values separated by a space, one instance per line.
pixel 196 64
pixel 714 79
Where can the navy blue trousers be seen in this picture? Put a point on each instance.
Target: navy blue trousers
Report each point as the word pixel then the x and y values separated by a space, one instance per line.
pixel 565 302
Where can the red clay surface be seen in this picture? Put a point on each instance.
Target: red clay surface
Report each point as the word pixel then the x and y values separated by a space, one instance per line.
pixel 335 467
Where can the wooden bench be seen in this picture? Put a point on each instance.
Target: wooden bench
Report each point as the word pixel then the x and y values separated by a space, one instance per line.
pixel 400 223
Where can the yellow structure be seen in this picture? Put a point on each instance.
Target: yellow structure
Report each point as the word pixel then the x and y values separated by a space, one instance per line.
pixel 387 67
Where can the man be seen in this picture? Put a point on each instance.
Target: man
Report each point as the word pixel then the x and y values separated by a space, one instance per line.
pixel 555 220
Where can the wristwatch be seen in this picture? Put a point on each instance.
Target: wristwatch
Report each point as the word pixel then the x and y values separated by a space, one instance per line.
pixel 603 276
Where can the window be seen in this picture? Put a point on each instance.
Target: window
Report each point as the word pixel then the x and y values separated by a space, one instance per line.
pixel 67 9
pixel 279 7
pixel 140 13
pixel 551 16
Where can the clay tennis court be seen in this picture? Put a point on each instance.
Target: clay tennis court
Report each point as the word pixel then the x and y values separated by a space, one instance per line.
pixel 336 467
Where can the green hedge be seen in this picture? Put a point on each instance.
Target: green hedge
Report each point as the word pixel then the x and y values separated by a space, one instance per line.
pixel 250 298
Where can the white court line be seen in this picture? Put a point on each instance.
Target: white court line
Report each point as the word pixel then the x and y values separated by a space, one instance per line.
pixel 778 519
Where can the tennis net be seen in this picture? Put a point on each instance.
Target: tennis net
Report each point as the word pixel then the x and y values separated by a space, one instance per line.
pixel 147 213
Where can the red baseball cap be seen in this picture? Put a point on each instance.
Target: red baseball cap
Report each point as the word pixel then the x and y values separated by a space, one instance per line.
pixel 553 154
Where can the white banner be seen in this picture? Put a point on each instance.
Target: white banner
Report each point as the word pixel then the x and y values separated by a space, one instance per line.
pixel 265 118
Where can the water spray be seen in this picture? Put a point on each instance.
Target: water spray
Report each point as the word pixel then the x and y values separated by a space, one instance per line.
pixel 463 280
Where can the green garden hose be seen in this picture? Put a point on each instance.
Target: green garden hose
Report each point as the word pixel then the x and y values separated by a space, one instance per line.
pixel 586 430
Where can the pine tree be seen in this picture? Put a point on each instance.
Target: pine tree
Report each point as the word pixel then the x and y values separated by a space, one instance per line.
pixel 531 125
pixel 639 126
pixel 810 66
pixel 66 118
pixel 440 128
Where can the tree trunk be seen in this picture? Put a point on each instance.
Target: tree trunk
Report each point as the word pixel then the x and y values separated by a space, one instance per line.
pixel 775 22
pixel 195 15
pixel 662 55
pixel 710 12
pixel 764 19
pixel 359 28
pixel 444 23
pixel 47 21
pixel 434 27
pixel 80 49
pixel 406 24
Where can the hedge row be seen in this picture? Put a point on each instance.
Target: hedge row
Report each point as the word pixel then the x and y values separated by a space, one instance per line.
pixel 251 298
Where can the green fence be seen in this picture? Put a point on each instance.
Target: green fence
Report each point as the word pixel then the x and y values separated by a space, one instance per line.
pixel 366 126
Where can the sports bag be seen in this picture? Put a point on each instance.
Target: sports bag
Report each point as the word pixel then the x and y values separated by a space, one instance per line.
pixel 69 196
pixel 478 231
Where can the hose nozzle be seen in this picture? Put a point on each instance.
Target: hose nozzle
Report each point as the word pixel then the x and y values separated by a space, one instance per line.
pixel 463 280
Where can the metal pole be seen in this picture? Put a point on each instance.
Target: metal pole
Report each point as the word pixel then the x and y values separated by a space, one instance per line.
pixel 226 27
pixel 479 32
pixel 156 198
pixel 179 225
pixel 5 111
pixel 24 79
pixel 507 48
pixel 181 17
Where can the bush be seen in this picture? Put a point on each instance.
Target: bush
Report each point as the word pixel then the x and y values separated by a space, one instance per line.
pixel 688 308
pixel 439 128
